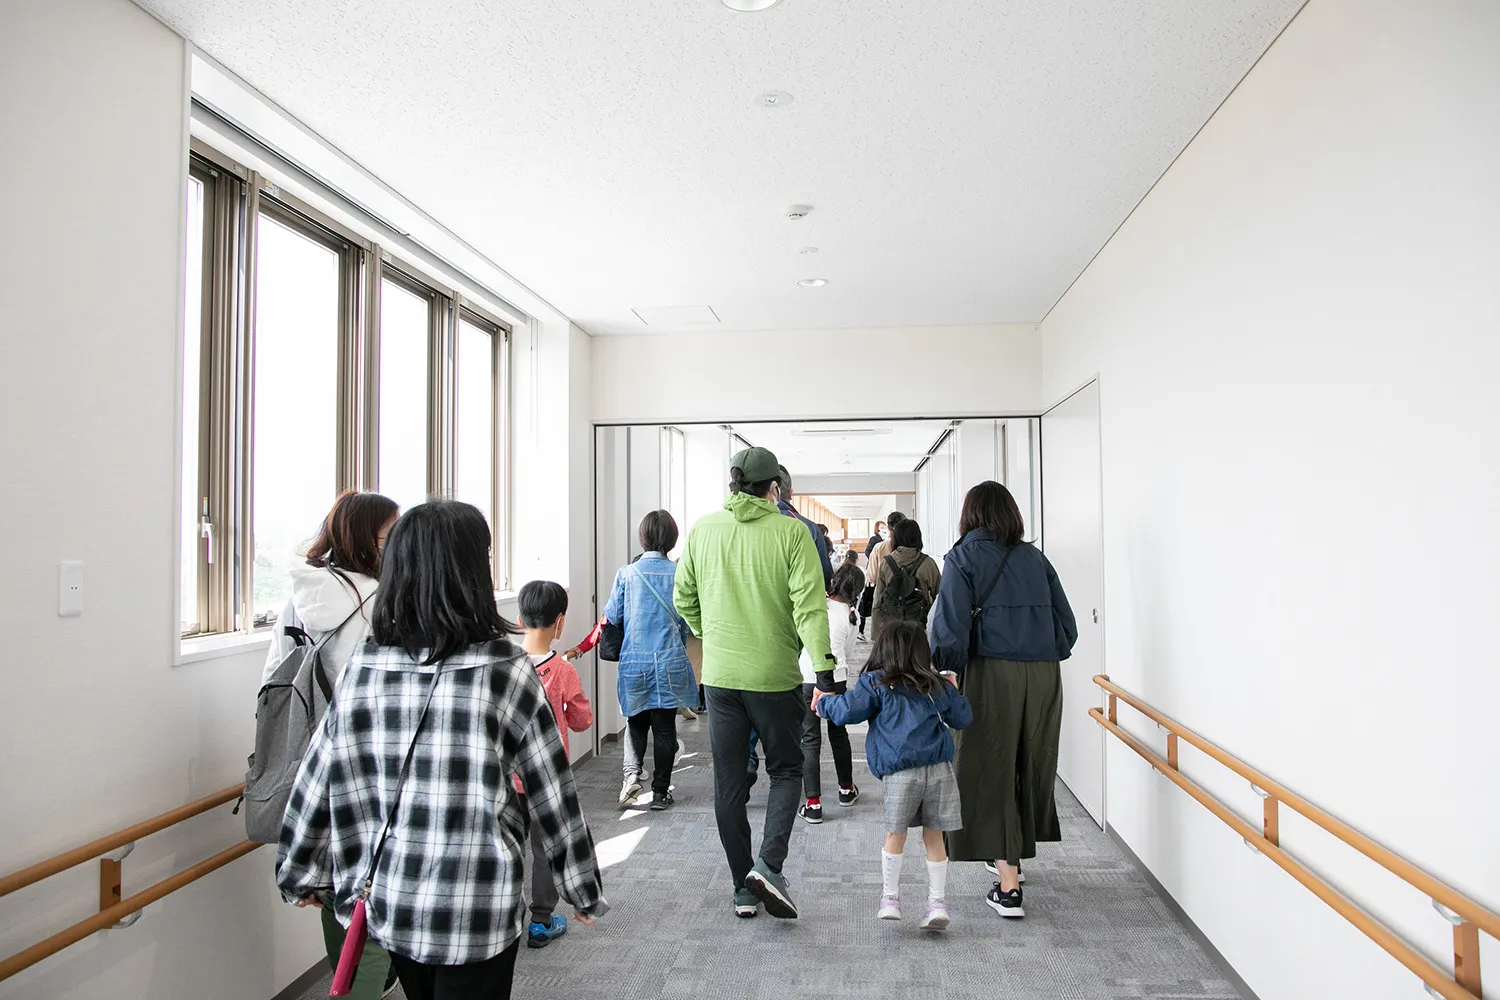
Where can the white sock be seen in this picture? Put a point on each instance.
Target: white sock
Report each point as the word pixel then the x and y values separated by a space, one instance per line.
pixel 937 881
pixel 890 874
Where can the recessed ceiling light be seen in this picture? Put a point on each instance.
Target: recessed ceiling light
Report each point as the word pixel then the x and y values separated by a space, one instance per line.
pixel 773 99
pixel 807 249
pixel 750 6
pixel 813 282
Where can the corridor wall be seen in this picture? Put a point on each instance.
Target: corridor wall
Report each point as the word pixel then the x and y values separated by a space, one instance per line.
pixel 792 375
pixel 104 722
pixel 1295 335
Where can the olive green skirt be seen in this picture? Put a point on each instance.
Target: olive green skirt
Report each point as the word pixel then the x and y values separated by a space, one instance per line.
pixel 1007 761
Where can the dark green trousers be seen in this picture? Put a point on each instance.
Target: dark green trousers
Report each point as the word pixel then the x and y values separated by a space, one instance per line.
pixel 1007 761
pixel 374 963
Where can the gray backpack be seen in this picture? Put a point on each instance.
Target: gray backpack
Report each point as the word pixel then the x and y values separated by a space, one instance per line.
pixel 288 711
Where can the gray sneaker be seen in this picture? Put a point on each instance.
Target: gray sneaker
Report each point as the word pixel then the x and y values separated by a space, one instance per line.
pixel 745 903
pixel 771 889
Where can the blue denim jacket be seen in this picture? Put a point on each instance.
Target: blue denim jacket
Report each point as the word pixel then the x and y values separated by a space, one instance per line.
pixel 907 729
pixel 654 668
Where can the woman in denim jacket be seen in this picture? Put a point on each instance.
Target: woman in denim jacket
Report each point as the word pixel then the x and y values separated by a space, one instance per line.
pixel 656 677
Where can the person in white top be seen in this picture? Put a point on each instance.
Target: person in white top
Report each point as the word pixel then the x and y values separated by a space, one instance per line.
pixel 339 577
pixel 843 592
pixel 332 590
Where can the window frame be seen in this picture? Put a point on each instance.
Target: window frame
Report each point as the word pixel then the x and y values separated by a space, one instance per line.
pixel 235 199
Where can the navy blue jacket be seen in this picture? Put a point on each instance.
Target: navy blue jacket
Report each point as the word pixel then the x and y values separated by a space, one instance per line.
pixel 1026 617
pixel 818 540
pixel 907 729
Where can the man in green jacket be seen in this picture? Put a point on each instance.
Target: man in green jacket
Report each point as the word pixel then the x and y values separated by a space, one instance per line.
pixel 751 586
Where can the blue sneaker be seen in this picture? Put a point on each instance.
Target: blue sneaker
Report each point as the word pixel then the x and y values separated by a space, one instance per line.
pixel 541 935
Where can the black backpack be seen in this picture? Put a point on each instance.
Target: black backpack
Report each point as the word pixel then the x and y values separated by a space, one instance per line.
pixel 901 599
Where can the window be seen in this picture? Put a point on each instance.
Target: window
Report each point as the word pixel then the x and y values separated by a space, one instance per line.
pixel 296 395
pixel 315 362
pixel 674 482
pixel 476 478
pixel 405 381
pixel 191 362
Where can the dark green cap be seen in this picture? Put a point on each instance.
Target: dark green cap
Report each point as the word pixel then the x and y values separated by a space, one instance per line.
pixel 757 464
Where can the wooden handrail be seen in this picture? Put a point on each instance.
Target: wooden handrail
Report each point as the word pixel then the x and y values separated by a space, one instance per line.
pixel 93 849
pixel 109 917
pixel 1470 916
pixel 113 909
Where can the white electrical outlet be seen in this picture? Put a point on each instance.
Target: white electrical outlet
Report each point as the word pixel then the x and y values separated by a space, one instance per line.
pixel 70 588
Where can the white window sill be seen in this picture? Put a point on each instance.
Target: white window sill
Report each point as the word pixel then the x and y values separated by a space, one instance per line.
pixel 215 647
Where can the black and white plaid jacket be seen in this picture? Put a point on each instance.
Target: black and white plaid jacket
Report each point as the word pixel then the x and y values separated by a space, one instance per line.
pixel 448 889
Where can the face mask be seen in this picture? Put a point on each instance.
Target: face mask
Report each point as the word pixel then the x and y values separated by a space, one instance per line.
pixel 885 536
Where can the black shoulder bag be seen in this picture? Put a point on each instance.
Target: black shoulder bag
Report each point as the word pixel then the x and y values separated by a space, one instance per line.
pixel 978 608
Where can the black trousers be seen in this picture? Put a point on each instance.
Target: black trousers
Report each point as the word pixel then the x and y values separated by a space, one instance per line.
pixel 776 717
pixel 662 723
pixel 812 747
pixel 486 980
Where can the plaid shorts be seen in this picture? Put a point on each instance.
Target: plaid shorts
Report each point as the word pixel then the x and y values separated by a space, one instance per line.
pixel 922 796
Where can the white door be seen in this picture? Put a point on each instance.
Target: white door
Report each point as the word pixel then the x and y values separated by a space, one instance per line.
pixel 1073 538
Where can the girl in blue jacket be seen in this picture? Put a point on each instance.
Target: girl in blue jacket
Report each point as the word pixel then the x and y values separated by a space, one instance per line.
pixel 910 708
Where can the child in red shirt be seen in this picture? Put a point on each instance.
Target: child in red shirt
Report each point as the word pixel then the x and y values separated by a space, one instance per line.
pixel 543 606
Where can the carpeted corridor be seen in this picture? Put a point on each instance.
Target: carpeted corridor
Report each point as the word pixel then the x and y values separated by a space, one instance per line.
pixel 1095 929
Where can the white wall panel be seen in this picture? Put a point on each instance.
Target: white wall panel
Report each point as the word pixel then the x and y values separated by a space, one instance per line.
pixel 1295 337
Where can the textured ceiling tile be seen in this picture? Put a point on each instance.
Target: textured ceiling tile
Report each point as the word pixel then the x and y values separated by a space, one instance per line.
pixel 966 158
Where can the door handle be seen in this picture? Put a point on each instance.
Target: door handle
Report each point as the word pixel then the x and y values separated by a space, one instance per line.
pixel 1096 616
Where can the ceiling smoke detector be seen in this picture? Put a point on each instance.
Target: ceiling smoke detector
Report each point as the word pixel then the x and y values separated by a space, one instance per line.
pixel 813 282
pixel 773 99
pixel 805 250
pixel 750 6
pixel 798 212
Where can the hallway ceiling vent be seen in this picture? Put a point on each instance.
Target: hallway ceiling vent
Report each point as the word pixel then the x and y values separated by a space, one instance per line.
pixel 839 431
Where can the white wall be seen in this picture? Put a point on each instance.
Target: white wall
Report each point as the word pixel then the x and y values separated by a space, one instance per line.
pixel 707 456
pixel 856 482
pixel 930 371
pixel 1296 341
pixel 100 730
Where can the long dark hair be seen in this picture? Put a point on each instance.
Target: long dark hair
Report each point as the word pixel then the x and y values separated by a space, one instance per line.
pixel 349 540
pixel 436 591
pixel 902 656
pixel 991 507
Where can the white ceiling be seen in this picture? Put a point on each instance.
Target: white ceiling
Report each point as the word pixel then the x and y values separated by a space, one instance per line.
pixel 965 158
pixel 817 448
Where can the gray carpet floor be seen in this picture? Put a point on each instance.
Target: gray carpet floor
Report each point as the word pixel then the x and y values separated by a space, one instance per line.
pixel 1095 929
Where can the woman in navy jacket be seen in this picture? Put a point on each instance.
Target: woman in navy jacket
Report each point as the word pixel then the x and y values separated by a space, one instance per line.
pixel 1003 623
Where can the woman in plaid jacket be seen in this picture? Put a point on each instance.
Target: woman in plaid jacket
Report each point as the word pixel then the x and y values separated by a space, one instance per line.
pixel 438 680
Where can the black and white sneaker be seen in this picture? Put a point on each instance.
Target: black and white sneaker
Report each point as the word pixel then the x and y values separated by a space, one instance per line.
pixel 812 813
pixel 989 866
pixel 848 796
pixel 1007 904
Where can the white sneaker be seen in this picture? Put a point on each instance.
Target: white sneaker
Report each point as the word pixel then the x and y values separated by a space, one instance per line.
pixel 630 791
pixel 890 908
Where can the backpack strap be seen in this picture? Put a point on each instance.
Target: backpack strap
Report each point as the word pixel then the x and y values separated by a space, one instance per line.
pixel 324 684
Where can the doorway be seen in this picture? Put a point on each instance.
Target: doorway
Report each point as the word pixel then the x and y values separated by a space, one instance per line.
pixel 1072 493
